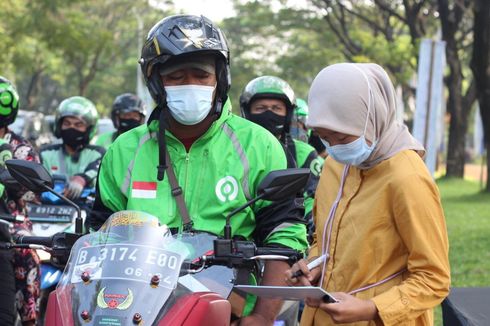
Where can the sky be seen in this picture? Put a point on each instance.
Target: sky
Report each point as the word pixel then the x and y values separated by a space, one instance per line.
pixel 215 10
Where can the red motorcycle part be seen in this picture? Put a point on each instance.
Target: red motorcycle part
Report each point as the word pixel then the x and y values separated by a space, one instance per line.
pixel 200 308
pixel 53 314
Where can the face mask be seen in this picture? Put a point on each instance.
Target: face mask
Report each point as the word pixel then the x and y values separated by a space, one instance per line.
pixel 128 124
pixel 189 104
pixel 353 153
pixel 73 137
pixel 270 121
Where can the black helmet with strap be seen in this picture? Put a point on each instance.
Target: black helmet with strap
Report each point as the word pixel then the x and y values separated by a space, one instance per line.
pixel 173 40
pixel 125 103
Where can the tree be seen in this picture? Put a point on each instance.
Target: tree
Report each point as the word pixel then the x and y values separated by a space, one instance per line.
pixel 393 20
pixel 480 65
pixel 288 43
pixel 59 48
pixel 456 25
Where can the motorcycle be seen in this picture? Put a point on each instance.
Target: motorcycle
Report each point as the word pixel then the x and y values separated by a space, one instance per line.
pixel 134 271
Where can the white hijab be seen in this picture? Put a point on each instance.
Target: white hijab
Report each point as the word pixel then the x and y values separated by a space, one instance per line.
pixel 339 100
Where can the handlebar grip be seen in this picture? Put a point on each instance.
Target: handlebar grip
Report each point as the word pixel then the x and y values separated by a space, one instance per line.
pixel 44 241
pixel 279 251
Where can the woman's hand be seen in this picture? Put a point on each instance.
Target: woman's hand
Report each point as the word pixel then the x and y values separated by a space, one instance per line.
pixel 308 278
pixel 349 309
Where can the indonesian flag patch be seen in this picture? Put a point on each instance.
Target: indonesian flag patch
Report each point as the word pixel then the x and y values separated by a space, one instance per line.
pixel 142 189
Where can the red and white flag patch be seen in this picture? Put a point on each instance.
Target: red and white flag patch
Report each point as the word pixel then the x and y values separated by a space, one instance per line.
pixel 142 189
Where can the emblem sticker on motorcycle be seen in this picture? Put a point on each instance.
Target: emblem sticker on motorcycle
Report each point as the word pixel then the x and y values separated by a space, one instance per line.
pixel 227 189
pixel 114 300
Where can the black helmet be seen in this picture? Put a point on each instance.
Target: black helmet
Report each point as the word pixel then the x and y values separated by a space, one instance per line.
pixel 180 36
pixel 124 103
pixel 9 102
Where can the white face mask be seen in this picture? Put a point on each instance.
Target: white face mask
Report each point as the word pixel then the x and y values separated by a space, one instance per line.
pixel 189 104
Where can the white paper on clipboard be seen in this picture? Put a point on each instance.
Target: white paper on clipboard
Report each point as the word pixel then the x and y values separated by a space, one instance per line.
pixel 287 292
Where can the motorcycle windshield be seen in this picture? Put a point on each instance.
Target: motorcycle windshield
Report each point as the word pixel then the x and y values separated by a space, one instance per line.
pixel 122 274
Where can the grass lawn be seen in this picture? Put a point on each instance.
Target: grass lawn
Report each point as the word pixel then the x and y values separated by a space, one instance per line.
pixel 467 212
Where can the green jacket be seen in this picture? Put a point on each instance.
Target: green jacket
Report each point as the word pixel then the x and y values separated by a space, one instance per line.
pixel 221 171
pixel 106 139
pixel 84 163
pixel 307 157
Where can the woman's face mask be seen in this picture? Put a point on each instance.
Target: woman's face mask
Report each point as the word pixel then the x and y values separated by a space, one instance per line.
pixel 353 153
pixel 189 104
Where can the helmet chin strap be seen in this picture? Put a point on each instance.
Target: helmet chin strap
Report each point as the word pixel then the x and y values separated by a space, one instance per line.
pixel 162 145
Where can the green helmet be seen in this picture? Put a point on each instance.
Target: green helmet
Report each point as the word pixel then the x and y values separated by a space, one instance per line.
pixel 268 87
pixel 80 107
pixel 301 108
pixel 298 130
pixel 9 102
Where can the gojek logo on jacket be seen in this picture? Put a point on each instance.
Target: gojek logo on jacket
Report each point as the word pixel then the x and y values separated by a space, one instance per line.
pixel 227 189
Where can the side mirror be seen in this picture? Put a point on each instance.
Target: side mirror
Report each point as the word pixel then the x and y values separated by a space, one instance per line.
pixel 9 182
pixel 31 175
pixel 36 178
pixel 281 184
pixel 276 185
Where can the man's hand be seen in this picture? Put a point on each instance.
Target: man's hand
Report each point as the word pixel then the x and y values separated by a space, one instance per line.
pixel 308 278
pixel 75 187
pixel 349 309
pixel 266 309
pixel 252 320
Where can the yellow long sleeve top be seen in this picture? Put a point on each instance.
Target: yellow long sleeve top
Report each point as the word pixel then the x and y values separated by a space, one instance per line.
pixel 389 219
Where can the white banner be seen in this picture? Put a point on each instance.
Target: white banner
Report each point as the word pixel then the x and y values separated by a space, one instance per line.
pixel 429 104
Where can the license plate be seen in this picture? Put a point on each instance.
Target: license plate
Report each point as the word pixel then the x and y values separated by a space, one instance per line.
pixel 128 261
pixel 51 213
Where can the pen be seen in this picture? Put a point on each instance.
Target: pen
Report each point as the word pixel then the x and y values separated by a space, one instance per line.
pixel 315 263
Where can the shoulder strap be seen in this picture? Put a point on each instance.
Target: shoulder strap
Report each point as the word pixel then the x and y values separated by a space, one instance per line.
pixel 177 193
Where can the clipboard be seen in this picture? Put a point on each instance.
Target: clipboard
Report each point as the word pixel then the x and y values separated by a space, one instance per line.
pixel 295 293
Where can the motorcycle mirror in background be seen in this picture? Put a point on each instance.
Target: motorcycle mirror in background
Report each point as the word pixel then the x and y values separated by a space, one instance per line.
pixel 36 178
pixel 276 185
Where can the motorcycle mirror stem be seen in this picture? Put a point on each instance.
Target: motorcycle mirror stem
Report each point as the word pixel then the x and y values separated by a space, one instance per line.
pixel 36 178
pixel 78 219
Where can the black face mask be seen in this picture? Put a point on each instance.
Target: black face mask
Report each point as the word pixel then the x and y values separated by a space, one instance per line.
pixel 270 121
pixel 128 124
pixel 74 138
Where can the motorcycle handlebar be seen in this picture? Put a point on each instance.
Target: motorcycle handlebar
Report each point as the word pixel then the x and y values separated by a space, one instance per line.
pixel 44 241
pixel 293 254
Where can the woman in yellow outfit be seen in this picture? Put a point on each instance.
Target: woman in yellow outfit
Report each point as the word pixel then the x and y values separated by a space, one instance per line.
pixel 377 209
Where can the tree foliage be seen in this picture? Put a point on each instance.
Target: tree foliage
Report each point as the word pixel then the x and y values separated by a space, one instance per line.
pixel 61 48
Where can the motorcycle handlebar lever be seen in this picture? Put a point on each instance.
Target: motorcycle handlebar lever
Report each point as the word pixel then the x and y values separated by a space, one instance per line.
pixel 293 255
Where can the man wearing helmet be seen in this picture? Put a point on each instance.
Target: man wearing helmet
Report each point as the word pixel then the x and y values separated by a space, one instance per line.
pixel 25 261
pixel 215 155
pixel 298 128
pixel 75 123
pixel 270 102
pixel 128 112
